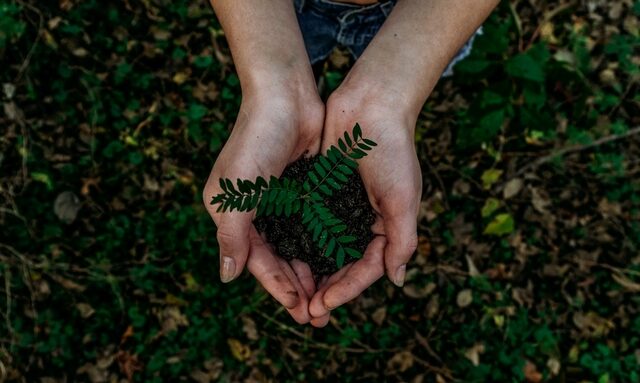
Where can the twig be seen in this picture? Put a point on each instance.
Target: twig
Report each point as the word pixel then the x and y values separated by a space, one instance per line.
pixel 576 148
pixel 27 59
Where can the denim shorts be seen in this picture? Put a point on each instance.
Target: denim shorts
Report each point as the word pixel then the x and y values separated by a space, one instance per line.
pixel 326 24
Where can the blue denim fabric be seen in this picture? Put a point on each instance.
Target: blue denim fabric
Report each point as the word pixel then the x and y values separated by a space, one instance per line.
pixel 326 24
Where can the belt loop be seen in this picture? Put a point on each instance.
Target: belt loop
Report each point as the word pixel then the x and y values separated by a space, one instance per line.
pixel 299 4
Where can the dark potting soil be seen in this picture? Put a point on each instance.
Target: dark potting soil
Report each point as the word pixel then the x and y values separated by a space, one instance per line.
pixel 290 237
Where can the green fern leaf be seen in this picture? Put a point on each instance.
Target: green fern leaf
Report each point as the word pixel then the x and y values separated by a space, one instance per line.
pixel 369 142
pixel 323 238
pixel 347 239
pixel 338 229
pixel 353 253
pixel 332 182
pixel 313 177
pixel 325 163
pixel 345 169
pixel 342 145
pixel 261 183
pixel 330 247
pixel 325 190
pixel 348 139
pixel 364 147
pixel 357 132
pixel 320 169
pixel 340 257
pixel 223 185
pixel 341 177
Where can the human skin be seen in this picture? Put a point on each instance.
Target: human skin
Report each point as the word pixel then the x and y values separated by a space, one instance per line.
pixel 384 92
pixel 280 120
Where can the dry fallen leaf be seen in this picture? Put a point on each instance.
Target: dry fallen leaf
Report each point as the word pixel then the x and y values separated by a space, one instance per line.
pixel 473 354
pixel 400 362
pixel 531 373
pixel 66 206
pixel 464 298
pixel 512 188
pixel 239 350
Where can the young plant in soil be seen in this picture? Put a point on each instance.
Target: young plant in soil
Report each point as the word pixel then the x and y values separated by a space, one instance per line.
pixel 317 211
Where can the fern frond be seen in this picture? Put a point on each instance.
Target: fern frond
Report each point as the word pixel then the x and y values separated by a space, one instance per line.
pixel 327 231
pixel 330 172
pixel 277 196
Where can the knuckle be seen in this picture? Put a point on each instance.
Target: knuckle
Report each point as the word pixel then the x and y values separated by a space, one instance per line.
pixel 226 238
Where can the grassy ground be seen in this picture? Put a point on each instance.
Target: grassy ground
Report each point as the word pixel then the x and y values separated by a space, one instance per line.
pixel 528 268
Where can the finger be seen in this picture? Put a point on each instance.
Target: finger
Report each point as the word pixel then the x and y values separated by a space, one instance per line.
pixel 268 271
pixel 300 313
pixel 321 321
pixel 303 272
pixel 402 241
pixel 359 277
pixel 317 308
pixel 232 235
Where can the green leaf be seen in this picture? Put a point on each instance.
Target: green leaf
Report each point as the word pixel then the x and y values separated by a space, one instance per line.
pixel 347 139
pixel 357 132
pixel 325 190
pixel 353 253
pixel 332 182
pixel 261 183
pixel 320 169
pixel 334 154
pixel 230 188
pixel 340 257
pixel 296 206
pixel 323 238
pixel 502 224
pixel 217 199
pixel 316 232
pixel 357 154
pixel 325 163
pixel 288 208
pixel 369 142
pixel 338 229
pixel 490 177
pixel 345 169
pixel 307 215
pixel 223 185
pixel 313 177
pixel 342 145
pixel 364 147
pixel 254 200
pixel 341 177
pixel 347 239
pixel 330 247
pixel 243 186
pixel 490 206
pixel 306 186
pixel 350 163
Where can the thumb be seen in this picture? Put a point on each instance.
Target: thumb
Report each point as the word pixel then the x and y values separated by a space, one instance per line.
pixel 402 241
pixel 233 241
pixel 233 236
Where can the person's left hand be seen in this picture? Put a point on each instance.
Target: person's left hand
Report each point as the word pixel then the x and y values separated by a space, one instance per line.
pixel 393 181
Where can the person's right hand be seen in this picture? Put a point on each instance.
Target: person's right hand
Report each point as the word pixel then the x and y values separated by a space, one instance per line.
pixel 274 128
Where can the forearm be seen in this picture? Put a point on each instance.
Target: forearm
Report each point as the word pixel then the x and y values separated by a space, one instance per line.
pixel 266 44
pixel 414 46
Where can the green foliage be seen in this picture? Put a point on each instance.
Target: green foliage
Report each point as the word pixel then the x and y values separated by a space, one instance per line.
pixel 282 195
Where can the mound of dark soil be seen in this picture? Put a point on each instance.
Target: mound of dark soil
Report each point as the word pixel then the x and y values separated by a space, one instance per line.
pixel 291 239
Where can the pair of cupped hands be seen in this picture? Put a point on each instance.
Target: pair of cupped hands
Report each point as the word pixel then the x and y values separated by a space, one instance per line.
pixel 276 125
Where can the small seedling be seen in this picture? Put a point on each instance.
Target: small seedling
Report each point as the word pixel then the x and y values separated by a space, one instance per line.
pixel 285 196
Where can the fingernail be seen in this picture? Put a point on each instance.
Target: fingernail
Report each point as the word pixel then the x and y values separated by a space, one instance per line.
pixel 399 277
pixel 227 269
